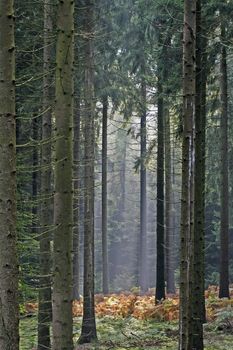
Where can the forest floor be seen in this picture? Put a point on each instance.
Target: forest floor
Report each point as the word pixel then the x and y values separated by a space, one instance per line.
pixel 129 321
pixel 130 333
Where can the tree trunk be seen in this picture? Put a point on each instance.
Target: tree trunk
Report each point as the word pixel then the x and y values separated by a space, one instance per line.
pixel 170 269
pixel 143 278
pixel 77 192
pixel 224 228
pixel 117 244
pixel 46 215
pixel 88 333
pixel 62 286
pixel 9 318
pixel 199 179
pixel 203 171
pixel 188 162
pixel 105 286
pixel 160 268
pixel 35 175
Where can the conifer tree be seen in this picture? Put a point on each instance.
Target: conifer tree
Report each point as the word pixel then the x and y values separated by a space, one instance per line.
pixel 63 207
pixel 46 214
pixel 88 333
pixel 9 318
pixel 188 163
pixel 224 231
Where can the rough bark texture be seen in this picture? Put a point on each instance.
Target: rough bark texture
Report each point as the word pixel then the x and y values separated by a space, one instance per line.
pixel 77 189
pixel 199 180
pixel 46 215
pixel 104 197
pixel 9 332
pixel 160 267
pixel 204 58
pixel 170 277
pixel 224 228
pixel 143 283
pixel 169 205
pixel 62 286
pixel 186 234
pixel 35 175
pixel 88 333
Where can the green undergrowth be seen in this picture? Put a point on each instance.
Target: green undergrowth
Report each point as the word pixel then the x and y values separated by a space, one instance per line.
pixel 130 333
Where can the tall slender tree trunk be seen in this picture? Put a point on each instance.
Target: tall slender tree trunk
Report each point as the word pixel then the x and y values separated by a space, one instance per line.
pixel 88 333
pixel 160 267
pixel 224 228
pixel 188 163
pixel 9 318
pixel 143 277
pixel 46 214
pixel 77 193
pixel 170 269
pixel 203 171
pixel 199 179
pixel 35 175
pixel 63 208
pixel 105 286
pixel 117 245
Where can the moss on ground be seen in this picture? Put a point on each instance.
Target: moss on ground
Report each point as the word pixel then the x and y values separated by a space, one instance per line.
pixel 129 333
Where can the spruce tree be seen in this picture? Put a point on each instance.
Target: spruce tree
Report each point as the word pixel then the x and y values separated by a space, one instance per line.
pixel 224 227
pixel 63 206
pixel 46 212
pixel 188 163
pixel 9 317
pixel 88 333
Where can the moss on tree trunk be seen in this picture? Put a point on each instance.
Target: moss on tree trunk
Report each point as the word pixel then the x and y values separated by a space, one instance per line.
pixel 63 206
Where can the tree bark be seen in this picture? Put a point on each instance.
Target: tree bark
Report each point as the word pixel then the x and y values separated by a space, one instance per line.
pixel 105 282
pixel 77 192
pixel 203 171
pixel 188 163
pixel 117 244
pixel 169 209
pixel 35 175
pixel 160 267
pixel 63 207
pixel 88 333
pixel 143 278
pixel 224 226
pixel 9 318
pixel 46 214
pixel 199 179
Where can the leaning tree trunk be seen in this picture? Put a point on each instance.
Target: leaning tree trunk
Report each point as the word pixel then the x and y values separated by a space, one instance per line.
pixel 188 162
pixel 88 333
pixel 9 318
pixel 46 214
pixel 105 282
pixel 224 228
pixel 62 286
